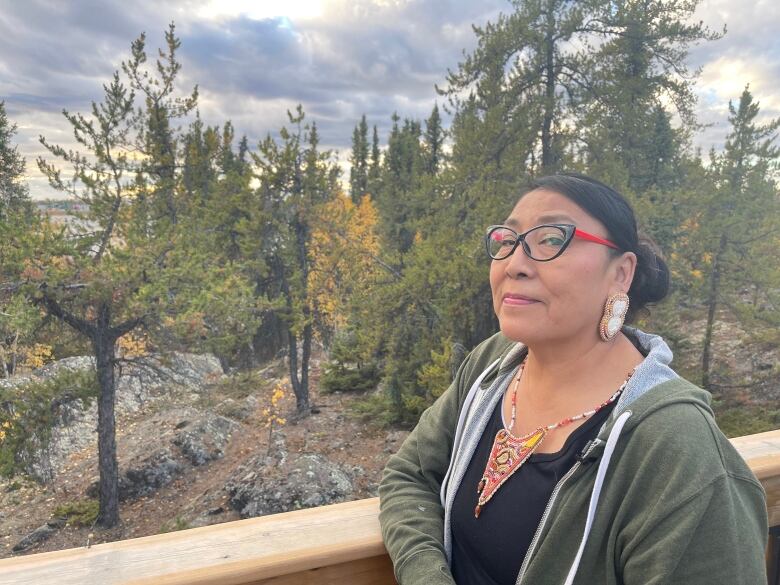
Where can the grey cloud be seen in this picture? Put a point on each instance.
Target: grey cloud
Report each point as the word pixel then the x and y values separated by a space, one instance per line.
pixel 359 57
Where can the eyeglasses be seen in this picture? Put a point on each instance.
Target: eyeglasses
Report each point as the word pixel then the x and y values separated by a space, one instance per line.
pixel 541 243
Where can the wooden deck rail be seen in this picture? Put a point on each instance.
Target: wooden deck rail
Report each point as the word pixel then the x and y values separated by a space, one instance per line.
pixel 331 544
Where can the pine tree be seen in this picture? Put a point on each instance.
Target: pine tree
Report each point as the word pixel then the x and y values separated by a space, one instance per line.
pixel 14 195
pixel 741 219
pixel 138 261
pixel 358 173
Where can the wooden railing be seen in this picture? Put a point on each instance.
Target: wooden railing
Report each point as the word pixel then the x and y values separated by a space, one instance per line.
pixel 328 545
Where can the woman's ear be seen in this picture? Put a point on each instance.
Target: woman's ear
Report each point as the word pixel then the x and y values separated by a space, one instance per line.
pixel 624 268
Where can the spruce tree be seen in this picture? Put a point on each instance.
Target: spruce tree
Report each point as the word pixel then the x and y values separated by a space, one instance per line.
pixel 14 194
pixel 640 65
pixel 358 173
pixel 741 222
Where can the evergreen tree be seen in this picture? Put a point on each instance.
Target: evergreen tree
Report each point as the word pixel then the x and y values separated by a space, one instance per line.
pixel 18 319
pixel 397 199
pixel 434 141
pixel 374 167
pixel 740 220
pixel 526 74
pixel 295 178
pixel 138 262
pixel 14 194
pixel 639 65
pixel 358 173
pixel 155 136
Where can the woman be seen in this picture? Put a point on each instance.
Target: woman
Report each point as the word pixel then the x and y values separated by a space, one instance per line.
pixel 567 450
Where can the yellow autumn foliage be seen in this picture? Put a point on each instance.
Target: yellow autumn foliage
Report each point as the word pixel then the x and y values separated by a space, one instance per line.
pixel 271 413
pixel 343 255
pixel 37 356
pixel 132 345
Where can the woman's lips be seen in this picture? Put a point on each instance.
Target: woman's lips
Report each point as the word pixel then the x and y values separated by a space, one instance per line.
pixel 518 301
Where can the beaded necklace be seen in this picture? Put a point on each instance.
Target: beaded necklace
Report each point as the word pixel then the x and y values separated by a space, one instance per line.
pixel 509 452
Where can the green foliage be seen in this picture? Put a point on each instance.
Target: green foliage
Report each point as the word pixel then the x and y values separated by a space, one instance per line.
pixel 14 194
pixel 28 413
pixel 741 420
pixel 346 370
pixel 377 408
pixel 178 523
pixel 78 513
pixel 340 378
pixel 436 375
pixel 240 385
pixel 208 246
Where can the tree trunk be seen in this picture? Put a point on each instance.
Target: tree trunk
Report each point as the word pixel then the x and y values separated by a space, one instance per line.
pixel 301 391
pixel 304 406
pixel 712 300
pixel 103 343
pixel 302 394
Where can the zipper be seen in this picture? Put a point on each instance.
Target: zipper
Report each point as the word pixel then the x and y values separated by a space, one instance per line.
pixel 550 503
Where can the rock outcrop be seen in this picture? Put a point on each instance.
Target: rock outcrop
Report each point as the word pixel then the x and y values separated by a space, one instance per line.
pixel 269 485
pixel 137 386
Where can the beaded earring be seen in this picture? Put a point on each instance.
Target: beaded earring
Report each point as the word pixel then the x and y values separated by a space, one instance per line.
pixel 615 311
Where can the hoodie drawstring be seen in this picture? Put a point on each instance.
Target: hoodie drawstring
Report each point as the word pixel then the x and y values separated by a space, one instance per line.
pixel 594 496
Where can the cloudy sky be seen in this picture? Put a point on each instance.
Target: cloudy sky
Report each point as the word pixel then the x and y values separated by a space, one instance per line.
pixel 254 59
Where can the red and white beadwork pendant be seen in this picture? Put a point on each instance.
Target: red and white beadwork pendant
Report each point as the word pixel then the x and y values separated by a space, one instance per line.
pixel 506 457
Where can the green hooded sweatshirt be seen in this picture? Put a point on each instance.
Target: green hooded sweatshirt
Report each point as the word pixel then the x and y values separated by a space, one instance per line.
pixel 659 497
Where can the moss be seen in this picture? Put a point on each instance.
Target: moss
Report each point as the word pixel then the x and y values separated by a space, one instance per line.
pixel 79 513
pixel 178 523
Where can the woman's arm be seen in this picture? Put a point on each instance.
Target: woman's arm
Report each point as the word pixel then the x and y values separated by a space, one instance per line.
pixel 717 537
pixel 410 512
pixel 694 512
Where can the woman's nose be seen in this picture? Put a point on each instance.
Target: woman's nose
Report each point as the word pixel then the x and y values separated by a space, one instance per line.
pixel 519 264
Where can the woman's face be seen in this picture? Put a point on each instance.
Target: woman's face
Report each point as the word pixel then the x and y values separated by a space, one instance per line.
pixel 569 291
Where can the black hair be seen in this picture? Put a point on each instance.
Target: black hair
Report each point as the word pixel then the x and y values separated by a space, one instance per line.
pixel 651 277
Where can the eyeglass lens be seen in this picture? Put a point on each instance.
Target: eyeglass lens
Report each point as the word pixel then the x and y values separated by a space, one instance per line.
pixel 540 243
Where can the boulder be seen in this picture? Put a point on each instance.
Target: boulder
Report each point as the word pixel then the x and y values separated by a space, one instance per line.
pixel 144 476
pixel 205 438
pixel 304 481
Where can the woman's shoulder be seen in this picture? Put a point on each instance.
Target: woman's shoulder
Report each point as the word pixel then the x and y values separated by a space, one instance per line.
pixel 676 423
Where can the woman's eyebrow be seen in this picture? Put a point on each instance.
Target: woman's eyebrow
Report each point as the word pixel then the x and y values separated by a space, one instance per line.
pixel 548 218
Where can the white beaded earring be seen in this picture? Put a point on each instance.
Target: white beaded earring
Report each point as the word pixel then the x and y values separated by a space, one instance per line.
pixel 615 311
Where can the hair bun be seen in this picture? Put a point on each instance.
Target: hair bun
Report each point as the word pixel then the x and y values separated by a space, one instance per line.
pixel 651 277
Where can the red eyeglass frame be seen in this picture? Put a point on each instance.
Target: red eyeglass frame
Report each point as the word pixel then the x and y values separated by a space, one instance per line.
pixel 571 231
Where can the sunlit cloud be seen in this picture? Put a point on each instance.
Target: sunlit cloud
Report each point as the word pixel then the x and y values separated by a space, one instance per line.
pixel 292 9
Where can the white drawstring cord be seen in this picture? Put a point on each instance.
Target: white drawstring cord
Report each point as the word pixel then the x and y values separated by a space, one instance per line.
pixel 594 496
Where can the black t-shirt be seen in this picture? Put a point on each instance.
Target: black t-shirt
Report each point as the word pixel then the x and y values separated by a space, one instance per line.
pixel 489 550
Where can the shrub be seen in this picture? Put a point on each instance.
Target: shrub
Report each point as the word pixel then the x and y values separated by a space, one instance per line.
pixel 346 371
pixel 79 513
pixel 28 413
pixel 177 523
